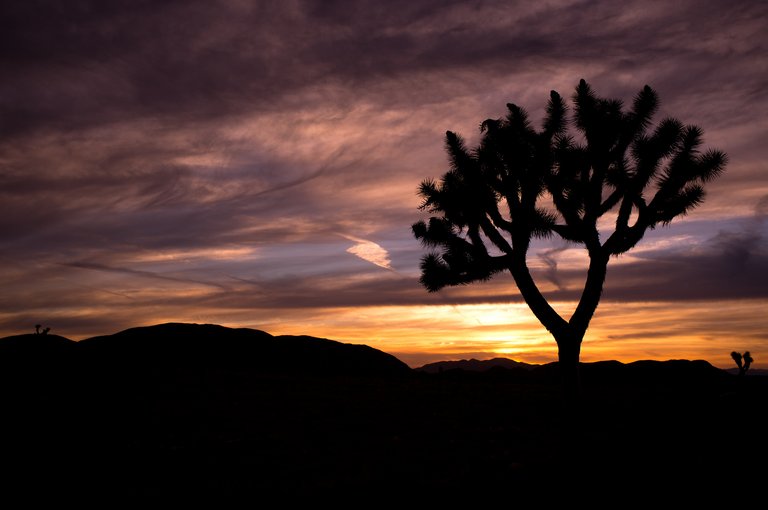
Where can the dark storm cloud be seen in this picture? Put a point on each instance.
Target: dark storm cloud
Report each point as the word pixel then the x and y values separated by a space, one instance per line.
pixel 73 64
pixel 731 264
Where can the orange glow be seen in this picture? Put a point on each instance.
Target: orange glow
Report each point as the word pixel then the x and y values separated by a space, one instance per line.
pixel 420 334
pixel 622 331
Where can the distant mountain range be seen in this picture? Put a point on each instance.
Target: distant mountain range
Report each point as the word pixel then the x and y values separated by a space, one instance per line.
pixel 751 371
pixel 474 365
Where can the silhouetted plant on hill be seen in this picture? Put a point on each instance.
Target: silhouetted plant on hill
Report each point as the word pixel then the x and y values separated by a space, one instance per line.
pixel 742 361
pixel 490 205
pixel 43 332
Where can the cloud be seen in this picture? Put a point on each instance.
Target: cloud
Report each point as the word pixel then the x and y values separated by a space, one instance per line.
pixel 130 130
pixel 550 259
pixel 369 251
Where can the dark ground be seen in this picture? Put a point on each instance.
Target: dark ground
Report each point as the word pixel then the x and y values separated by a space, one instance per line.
pixel 659 433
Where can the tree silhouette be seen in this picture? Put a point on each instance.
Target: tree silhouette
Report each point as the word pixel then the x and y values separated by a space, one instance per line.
pixel 519 184
pixel 743 362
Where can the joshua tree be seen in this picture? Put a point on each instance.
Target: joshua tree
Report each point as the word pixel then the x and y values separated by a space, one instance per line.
pixel 742 361
pixel 488 207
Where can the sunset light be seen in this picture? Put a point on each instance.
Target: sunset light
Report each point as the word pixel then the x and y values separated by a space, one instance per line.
pixel 244 178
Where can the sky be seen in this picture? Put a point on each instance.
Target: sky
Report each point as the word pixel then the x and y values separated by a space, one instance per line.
pixel 256 164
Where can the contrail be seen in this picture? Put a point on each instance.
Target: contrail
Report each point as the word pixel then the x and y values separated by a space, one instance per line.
pixel 306 178
pixel 136 272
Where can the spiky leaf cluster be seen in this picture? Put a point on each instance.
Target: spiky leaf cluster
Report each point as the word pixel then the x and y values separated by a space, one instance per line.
pixel 491 195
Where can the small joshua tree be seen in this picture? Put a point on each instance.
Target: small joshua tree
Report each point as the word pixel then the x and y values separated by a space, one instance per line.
pixel 742 361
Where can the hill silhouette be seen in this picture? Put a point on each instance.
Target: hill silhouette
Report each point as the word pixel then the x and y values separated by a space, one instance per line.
pixel 196 346
pixel 208 411
pixel 34 344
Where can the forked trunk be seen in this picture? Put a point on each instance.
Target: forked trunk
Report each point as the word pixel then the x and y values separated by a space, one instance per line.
pixel 568 335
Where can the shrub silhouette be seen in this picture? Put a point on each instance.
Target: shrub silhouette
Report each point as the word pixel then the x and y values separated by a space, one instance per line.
pixel 742 361
pixel 488 206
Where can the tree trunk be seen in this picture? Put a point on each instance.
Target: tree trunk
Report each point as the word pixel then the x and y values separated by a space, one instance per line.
pixel 569 345
pixel 570 334
pixel 569 349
